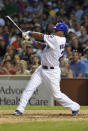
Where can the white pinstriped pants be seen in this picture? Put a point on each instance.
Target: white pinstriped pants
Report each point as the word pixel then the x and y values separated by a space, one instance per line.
pixel 51 79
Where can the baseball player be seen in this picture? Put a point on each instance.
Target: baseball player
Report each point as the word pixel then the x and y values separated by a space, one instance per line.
pixel 48 72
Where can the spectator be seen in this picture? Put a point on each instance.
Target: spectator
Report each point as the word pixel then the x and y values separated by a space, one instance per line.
pixel 44 22
pixel 85 5
pixel 50 27
pixel 29 25
pixel 29 50
pixel 2 47
pixel 74 41
pixel 6 57
pixel 35 10
pixel 2 21
pixel 78 12
pixel 23 68
pixel 21 6
pixel 66 72
pixel 30 63
pixel 77 66
pixel 6 31
pixel 68 51
pixel 35 63
pixel 78 29
pixel 23 48
pixel 10 7
pixel 86 24
pixel 85 61
pixel 72 20
pixel 37 27
pixel 51 10
pixel 1 5
pixel 11 51
pixel 17 63
pixel 16 42
pixel 2 34
pixel 8 68
pixel 83 38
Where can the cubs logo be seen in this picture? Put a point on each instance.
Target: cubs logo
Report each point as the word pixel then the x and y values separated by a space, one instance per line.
pixel 50 36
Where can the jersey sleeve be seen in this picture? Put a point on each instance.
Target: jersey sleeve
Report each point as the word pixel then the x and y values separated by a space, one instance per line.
pixel 50 40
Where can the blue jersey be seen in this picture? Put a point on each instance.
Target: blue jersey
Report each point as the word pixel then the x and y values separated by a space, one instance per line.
pixel 85 62
pixel 78 69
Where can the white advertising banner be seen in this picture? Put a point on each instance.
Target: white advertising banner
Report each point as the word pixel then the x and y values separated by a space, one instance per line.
pixel 11 88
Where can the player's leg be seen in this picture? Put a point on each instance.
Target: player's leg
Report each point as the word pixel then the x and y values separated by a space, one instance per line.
pixel 34 82
pixel 53 83
pixel 63 99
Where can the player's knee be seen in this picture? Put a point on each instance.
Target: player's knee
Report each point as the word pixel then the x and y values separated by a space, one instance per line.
pixel 57 95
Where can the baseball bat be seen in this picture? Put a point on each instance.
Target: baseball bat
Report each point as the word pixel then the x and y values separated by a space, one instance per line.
pixel 14 23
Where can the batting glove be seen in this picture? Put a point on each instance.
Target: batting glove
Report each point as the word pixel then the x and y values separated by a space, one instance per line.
pixel 29 41
pixel 26 35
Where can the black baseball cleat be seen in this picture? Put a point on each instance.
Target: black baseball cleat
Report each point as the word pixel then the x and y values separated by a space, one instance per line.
pixel 17 113
pixel 75 113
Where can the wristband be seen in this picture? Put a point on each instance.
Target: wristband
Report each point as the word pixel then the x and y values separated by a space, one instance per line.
pixel 29 33
pixel 34 42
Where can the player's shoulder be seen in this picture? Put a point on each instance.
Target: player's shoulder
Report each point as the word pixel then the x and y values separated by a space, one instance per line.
pixel 60 37
pixel 61 40
pixel 57 37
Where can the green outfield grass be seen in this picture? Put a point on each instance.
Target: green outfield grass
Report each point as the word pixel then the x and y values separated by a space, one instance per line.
pixel 47 126
pixel 62 125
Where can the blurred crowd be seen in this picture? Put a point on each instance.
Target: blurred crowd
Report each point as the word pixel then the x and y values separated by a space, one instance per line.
pixel 19 58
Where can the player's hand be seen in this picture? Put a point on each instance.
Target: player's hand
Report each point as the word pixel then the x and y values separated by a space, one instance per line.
pixel 25 35
pixel 29 41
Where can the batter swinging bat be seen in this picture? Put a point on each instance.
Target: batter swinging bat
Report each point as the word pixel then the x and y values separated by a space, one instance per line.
pixel 14 24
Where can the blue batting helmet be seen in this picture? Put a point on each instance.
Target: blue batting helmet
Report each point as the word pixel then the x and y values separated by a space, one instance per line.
pixel 62 27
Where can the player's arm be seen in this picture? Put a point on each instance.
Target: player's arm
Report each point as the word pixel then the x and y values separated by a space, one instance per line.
pixel 37 44
pixel 35 35
pixel 49 39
